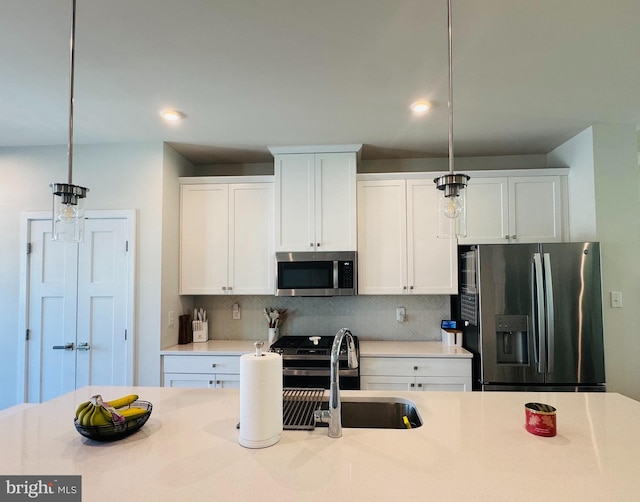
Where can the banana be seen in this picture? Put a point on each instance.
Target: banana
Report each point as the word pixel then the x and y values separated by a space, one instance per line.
pixel 86 417
pixel 99 417
pixel 84 413
pixel 122 401
pixel 130 413
pixel 81 407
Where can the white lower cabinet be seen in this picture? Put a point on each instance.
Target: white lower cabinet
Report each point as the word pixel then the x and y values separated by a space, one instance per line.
pixel 415 373
pixel 220 372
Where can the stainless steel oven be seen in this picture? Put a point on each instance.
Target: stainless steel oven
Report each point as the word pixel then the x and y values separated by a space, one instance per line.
pixel 306 362
pixel 316 274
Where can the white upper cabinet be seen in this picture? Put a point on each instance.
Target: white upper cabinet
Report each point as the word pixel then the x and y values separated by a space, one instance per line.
pixel 514 209
pixel 226 238
pixel 398 248
pixel 315 200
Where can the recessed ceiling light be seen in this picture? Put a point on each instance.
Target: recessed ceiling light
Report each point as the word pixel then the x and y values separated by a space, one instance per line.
pixel 172 115
pixel 420 106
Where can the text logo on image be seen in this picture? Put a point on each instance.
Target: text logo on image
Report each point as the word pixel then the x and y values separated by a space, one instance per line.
pixel 44 488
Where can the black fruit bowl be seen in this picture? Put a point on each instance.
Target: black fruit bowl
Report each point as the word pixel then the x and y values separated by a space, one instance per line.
pixel 113 432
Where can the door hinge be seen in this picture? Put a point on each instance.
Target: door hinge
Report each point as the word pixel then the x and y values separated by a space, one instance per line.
pixel 126 246
pixel 28 248
pixel 28 334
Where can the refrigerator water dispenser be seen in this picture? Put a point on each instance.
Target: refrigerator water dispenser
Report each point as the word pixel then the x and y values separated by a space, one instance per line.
pixel 512 337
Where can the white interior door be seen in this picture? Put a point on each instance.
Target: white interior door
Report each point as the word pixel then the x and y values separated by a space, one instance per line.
pixel 79 308
pixel 101 341
pixel 51 314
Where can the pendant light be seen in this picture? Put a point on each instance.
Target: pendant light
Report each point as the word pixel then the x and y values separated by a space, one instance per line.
pixel 68 199
pixel 452 208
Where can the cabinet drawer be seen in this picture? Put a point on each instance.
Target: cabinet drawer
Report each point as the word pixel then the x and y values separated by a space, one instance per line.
pixel 418 366
pixel 202 364
pixel 188 381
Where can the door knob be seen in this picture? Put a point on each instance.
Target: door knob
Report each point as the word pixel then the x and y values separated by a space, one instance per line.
pixel 83 346
pixel 66 346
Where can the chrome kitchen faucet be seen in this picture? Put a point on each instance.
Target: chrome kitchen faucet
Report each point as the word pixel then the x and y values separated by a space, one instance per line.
pixel 332 416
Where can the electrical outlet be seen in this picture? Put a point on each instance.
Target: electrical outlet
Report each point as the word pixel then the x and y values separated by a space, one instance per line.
pixel 235 312
pixel 616 299
pixel 400 314
pixel 172 319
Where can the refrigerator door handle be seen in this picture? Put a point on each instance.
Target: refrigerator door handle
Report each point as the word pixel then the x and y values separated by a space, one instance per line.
pixel 534 325
pixel 539 310
pixel 549 309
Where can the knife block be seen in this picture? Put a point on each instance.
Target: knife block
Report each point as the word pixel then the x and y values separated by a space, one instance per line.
pixel 185 329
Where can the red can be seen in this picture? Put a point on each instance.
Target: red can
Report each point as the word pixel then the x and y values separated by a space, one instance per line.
pixel 541 419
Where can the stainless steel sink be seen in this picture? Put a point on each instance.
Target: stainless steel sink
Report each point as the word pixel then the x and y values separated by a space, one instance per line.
pixel 377 413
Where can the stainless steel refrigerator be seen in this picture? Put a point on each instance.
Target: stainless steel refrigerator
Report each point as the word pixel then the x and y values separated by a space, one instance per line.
pixel 534 315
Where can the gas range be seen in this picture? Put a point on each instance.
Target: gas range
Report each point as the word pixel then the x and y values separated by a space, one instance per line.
pixel 306 362
pixel 311 346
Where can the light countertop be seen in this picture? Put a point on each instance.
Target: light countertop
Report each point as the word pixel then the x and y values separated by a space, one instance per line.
pixel 472 446
pixel 368 348
pixel 211 347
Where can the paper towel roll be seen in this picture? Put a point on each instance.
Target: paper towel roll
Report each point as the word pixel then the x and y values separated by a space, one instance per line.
pixel 260 400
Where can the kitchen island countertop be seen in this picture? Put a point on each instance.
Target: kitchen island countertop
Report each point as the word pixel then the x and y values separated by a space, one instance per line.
pixel 472 446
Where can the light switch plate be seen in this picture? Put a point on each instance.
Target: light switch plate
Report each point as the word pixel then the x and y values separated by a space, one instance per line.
pixel 616 299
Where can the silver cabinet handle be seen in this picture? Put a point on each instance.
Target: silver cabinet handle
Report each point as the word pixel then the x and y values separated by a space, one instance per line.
pixel 66 346
pixel 311 244
pixel 83 346
pixel 213 365
pixel 415 368
pixel 318 244
pixel 224 288
pixel 229 288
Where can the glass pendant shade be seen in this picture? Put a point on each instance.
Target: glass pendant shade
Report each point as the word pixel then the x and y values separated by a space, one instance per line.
pixel 452 205
pixel 68 212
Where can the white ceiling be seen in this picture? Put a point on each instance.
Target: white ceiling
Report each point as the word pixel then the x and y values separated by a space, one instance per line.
pixel 249 74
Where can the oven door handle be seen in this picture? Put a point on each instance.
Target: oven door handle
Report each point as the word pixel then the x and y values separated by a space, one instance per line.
pixel 302 372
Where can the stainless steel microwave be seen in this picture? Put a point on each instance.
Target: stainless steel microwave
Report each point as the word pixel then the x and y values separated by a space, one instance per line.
pixel 323 273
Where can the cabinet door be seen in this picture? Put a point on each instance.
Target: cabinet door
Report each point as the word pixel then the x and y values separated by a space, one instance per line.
pixel 431 262
pixel 487 211
pixel 382 237
pixel 204 240
pixel 295 202
pixel 251 259
pixel 535 210
pixel 189 380
pixel 335 202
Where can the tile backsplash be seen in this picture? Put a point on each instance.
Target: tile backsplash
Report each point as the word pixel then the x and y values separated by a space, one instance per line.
pixel 368 317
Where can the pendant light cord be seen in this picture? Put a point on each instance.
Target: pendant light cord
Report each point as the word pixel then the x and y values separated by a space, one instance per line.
pixel 71 78
pixel 450 87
